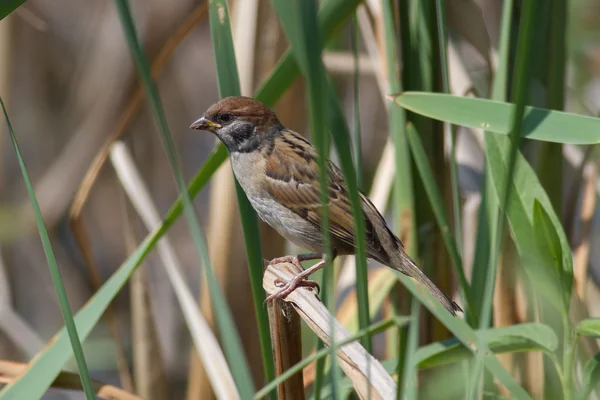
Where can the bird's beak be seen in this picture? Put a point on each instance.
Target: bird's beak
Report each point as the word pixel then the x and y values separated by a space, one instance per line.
pixel 204 124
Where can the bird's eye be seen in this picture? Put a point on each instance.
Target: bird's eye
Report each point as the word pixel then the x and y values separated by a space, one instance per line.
pixel 225 117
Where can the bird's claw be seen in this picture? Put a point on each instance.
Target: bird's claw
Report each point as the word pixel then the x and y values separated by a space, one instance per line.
pixel 291 285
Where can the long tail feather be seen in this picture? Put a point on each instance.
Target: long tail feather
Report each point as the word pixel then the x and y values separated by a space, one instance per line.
pixel 407 266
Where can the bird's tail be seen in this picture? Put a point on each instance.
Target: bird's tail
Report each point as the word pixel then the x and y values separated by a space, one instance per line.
pixel 408 267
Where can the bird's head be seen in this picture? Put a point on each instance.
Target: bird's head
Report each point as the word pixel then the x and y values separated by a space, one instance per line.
pixel 241 123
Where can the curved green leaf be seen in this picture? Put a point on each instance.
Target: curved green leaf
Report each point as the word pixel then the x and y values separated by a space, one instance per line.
pixel 591 375
pixel 495 116
pixel 511 339
pixel 589 327
pixel 526 190
pixel 549 275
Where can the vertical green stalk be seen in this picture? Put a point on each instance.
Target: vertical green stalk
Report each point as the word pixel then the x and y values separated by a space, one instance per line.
pixel 403 194
pixel 443 44
pixel 229 85
pixel 356 104
pixel 229 335
pixel 316 83
pixel 302 31
pixel 520 87
pixel 408 388
pixel 403 185
pixel 304 37
pixel 550 159
pixel 488 210
pixel 61 293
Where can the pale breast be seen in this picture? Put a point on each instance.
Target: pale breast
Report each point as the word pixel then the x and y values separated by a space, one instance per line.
pixel 249 170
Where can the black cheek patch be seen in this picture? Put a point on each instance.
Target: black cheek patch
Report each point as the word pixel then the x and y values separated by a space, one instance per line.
pixel 242 133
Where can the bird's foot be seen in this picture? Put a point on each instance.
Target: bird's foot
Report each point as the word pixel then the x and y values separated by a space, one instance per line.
pixel 291 285
pixel 300 279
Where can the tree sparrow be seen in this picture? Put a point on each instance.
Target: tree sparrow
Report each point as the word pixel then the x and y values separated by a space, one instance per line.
pixel 277 170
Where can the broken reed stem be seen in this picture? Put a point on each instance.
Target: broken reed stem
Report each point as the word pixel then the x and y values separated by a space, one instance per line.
pixel 286 340
pixel 369 378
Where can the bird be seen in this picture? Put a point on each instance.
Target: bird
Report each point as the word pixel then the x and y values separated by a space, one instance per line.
pixel 277 169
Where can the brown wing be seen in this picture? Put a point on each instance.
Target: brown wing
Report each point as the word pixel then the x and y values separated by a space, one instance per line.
pixel 292 179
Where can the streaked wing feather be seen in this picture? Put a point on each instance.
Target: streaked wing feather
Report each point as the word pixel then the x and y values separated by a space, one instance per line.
pixel 292 180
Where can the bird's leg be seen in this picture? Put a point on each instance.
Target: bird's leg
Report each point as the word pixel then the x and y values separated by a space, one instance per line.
pixel 300 279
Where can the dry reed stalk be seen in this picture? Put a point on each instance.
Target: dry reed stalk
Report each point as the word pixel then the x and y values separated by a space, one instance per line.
pixel 504 301
pixel 10 370
pixel 579 309
pixel 369 378
pixel 582 251
pixel 286 338
pixel 150 379
pixel 380 282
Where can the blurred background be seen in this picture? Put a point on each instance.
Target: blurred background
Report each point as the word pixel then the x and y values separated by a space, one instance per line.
pixel 69 83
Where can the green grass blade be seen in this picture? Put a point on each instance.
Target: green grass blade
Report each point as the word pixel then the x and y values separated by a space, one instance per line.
pixel 591 376
pixel 356 142
pixel 467 336
pixel 550 160
pixel 403 189
pixel 520 88
pixel 518 338
pixel 229 85
pixel 488 213
pixel 332 16
pixel 341 137
pixel 495 116
pixel 443 44
pixel 341 140
pixel 28 392
pixel 548 243
pixel 510 339
pixel 409 378
pixel 299 22
pixel 437 204
pixel 403 185
pixel 229 335
pixel 589 327
pixel 9 6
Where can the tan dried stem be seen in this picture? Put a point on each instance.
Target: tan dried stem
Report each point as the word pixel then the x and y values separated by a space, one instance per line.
pixel 286 340
pixel 505 313
pixel 381 281
pixel 369 378
pixel 582 251
pixel 149 370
